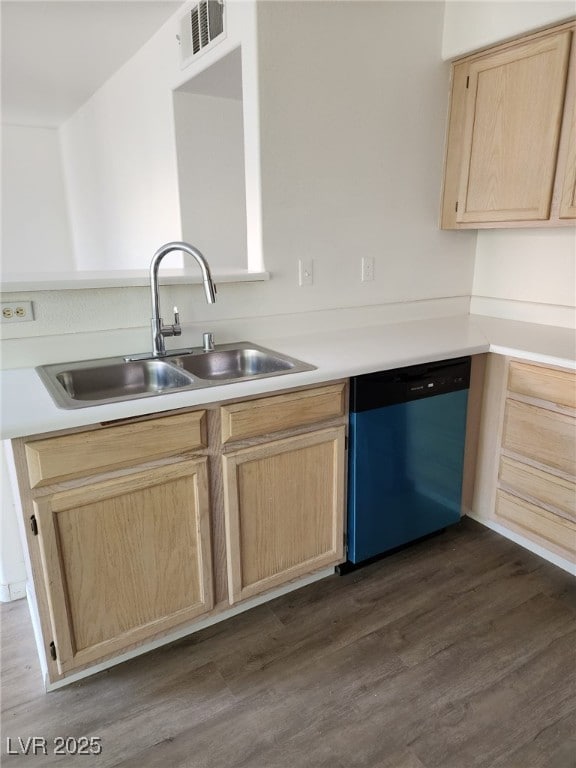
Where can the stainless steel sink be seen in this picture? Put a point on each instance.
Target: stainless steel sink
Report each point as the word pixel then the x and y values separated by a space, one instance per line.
pixel 78 385
pixel 95 382
pixel 234 364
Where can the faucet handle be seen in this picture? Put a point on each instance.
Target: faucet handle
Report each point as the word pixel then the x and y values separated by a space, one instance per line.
pixel 171 330
pixel 176 329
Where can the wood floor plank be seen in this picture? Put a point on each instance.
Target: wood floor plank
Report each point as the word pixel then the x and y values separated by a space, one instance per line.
pixel 246 736
pixel 483 736
pixel 554 746
pixel 125 722
pixel 423 632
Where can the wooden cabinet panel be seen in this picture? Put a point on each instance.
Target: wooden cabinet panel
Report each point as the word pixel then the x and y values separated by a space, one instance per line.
pixel 536 485
pixel 539 486
pixel 541 435
pixel 512 129
pixel 525 479
pixel 547 384
pixel 510 146
pixel 284 510
pixel 281 412
pixel 453 155
pixel 559 531
pixel 568 198
pixel 87 453
pixel 125 559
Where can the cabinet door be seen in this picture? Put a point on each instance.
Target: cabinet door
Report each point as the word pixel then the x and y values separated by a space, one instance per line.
pixel 125 559
pixel 513 115
pixel 568 198
pixel 284 510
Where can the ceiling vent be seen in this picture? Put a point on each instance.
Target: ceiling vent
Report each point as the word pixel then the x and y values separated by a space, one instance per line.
pixel 202 24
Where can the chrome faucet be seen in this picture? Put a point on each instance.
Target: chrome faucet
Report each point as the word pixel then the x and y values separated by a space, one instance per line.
pixel 159 330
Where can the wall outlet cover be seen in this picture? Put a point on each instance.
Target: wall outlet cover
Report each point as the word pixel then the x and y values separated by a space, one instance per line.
pixel 16 311
pixel 367 269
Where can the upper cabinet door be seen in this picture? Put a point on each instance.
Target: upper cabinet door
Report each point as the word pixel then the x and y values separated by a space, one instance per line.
pixel 513 116
pixel 568 197
pixel 511 142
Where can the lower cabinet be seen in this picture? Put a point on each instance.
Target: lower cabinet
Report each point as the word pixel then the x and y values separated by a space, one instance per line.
pixel 284 510
pixel 536 479
pixel 527 469
pixel 139 530
pixel 124 559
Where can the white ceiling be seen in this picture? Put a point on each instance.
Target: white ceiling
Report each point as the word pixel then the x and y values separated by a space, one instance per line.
pixel 57 53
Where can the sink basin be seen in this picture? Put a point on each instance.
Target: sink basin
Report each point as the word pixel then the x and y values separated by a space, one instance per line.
pixel 95 382
pixel 233 364
pixel 109 382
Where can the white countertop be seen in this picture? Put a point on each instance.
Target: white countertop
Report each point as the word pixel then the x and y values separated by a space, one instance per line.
pixel 28 409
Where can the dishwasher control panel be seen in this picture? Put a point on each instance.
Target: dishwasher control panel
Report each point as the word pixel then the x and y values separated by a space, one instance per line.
pixel 374 390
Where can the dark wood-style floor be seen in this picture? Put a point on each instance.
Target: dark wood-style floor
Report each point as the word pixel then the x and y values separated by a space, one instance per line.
pixel 459 652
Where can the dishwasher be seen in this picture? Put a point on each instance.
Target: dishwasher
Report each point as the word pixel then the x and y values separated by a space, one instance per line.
pixel 406 455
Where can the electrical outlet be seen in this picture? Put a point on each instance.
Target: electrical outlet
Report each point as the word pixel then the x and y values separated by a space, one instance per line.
pixel 305 272
pixel 16 312
pixel 367 269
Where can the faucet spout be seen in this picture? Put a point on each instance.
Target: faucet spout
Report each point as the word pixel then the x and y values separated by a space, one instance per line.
pixel 159 330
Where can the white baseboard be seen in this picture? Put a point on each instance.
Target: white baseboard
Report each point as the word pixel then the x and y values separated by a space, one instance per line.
pixel 517 538
pixel 13 591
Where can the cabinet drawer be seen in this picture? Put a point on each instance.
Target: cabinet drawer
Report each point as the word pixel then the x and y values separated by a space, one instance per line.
pixel 540 486
pixel 542 435
pixel 544 383
pixel 87 453
pixel 274 414
pixel 538 521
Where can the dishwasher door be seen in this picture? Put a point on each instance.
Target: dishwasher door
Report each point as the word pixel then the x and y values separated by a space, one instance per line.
pixel 405 459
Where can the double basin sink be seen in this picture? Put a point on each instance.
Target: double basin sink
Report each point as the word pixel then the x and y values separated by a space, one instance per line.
pixel 94 382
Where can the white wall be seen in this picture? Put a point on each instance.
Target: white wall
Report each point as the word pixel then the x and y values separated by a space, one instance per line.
pixel 352 133
pixel 520 274
pixel 120 152
pixel 120 165
pixel 210 147
pixel 472 24
pixel 35 224
pixel 527 274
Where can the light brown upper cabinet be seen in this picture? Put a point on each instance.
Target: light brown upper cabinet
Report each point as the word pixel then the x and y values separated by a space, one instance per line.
pixel 510 157
pixel 568 198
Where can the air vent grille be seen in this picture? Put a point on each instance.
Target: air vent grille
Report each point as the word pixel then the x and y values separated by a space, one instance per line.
pixel 200 26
